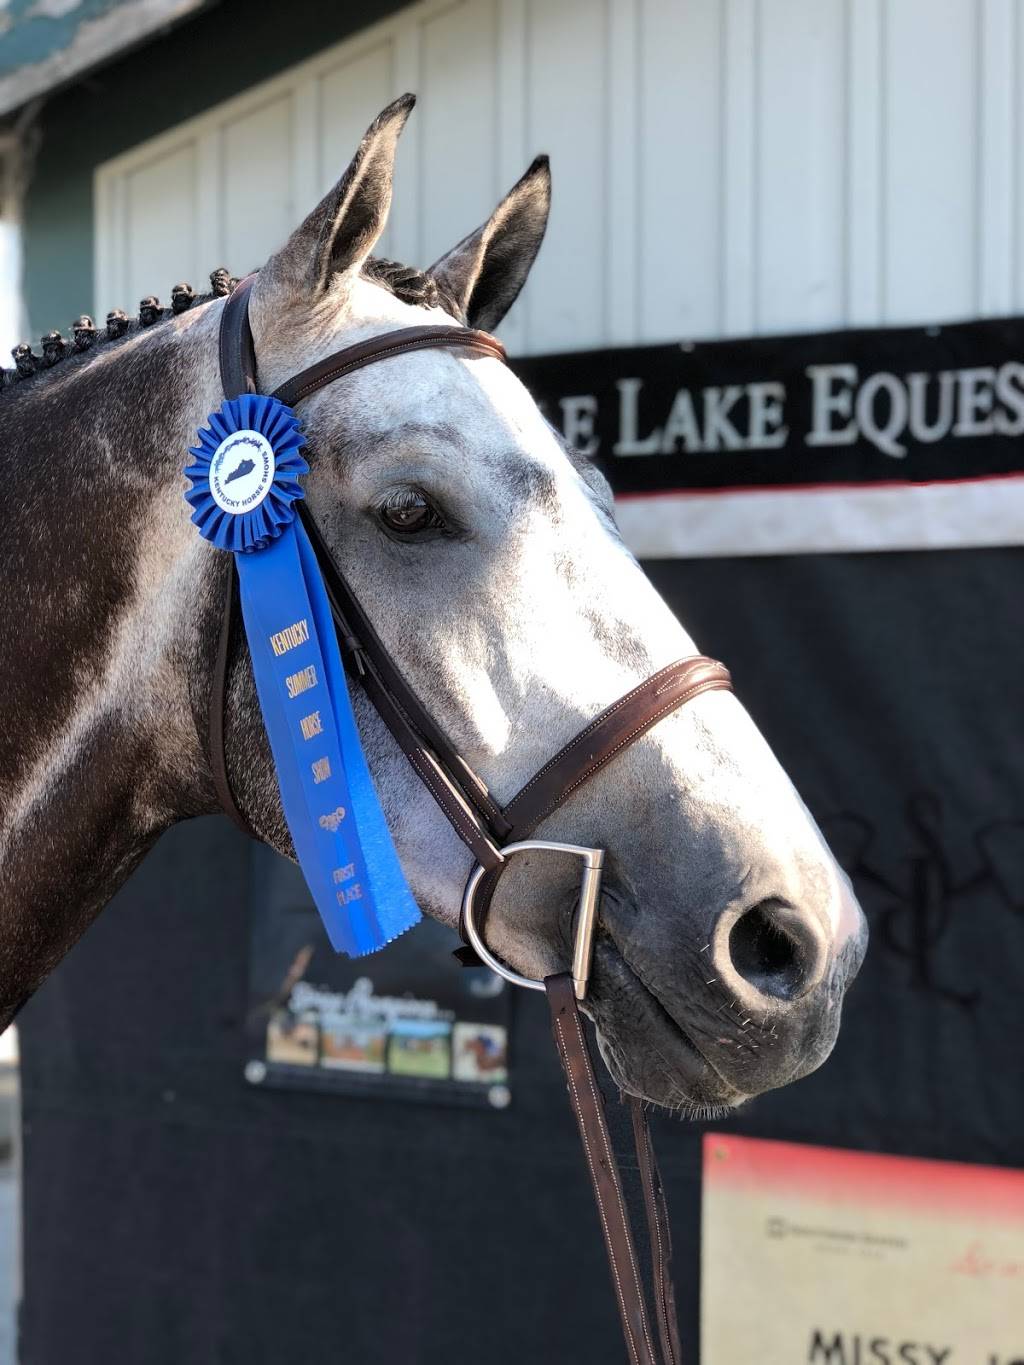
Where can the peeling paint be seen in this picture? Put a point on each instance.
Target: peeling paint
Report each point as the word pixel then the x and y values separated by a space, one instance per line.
pixel 51 9
pixel 46 43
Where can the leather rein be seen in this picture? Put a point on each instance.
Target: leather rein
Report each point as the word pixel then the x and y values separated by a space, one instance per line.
pixel 492 832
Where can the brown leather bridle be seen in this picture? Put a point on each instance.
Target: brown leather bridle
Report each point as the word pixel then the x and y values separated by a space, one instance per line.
pixel 493 833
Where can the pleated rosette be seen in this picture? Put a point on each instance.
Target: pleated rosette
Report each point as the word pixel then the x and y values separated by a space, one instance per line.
pixel 244 477
pixel 245 472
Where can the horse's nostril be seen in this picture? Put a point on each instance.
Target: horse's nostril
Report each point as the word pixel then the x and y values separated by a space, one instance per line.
pixel 777 950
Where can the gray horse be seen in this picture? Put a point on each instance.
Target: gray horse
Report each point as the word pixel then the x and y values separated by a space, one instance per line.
pixel 487 556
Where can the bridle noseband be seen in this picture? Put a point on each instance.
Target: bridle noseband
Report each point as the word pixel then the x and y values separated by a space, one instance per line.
pixel 493 833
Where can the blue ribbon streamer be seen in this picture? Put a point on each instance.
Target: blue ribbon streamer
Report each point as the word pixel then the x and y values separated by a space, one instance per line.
pixel 330 804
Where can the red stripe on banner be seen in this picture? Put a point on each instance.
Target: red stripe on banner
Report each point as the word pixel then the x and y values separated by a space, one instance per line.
pixel 838 1176
pixel 824 487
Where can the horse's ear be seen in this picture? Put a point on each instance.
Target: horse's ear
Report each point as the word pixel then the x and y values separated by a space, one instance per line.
pixel 344 227
pixel 487 269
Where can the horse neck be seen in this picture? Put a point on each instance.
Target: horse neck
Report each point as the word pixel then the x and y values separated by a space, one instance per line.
pixel 108 607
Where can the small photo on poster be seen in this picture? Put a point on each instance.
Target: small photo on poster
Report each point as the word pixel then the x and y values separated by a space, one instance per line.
pixel 353 1045
pixel 293 1039
pixel 381 1026
pixel 420 1047
pixel 480 1053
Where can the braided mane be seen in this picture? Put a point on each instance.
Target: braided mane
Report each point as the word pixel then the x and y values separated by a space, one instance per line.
pixel 412 286
pixel 405 282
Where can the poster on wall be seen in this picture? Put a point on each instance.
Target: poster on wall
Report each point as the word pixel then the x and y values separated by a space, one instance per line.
pixel 408 1023
pixel 830 1257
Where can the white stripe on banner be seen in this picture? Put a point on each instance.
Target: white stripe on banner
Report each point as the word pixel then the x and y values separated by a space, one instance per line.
pixel 821 518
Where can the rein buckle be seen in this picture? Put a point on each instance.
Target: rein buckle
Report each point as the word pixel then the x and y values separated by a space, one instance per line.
pixel 586 914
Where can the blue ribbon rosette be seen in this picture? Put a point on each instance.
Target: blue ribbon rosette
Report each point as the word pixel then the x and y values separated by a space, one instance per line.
pixel 244 476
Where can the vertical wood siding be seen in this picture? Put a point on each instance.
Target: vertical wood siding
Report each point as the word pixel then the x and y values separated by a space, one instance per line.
pixel 722 167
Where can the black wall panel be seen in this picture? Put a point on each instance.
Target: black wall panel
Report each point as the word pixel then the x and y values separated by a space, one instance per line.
pixel 174 1213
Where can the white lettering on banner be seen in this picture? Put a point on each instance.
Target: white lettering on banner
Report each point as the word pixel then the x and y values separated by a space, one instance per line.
pixel 973 402
pixel 629 442
pixel 885 409
pixel 717 404
pixel 1012 394
pixel 920 428
pixel 698 421
pixel 578 416
pixel 867 413
pixel 681 426
pixel 767 409
pixel 827 404
pixel 975 398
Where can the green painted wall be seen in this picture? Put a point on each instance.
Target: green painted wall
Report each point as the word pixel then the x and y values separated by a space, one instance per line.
pixel 219 54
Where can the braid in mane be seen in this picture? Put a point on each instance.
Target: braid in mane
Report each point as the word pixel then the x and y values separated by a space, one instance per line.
pixel 412 286
pixel 86 337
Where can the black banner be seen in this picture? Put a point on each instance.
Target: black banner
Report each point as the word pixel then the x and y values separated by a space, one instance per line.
pixel 919 404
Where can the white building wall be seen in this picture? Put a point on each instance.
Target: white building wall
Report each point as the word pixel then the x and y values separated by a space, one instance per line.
pixel 721 167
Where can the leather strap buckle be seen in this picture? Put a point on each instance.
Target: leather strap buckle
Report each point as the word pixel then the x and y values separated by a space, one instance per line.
pixel 586 914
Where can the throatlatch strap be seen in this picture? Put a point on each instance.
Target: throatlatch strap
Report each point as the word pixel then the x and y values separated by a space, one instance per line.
pixel 218 703
pixel 236 350
pixel 237 376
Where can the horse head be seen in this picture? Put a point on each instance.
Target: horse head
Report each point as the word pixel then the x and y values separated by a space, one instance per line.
pixel 486 554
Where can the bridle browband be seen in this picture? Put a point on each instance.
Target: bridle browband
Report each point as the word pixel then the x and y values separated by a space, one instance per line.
pixel 493 833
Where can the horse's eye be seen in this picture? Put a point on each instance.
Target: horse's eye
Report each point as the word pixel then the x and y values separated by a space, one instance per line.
pixel 408 512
